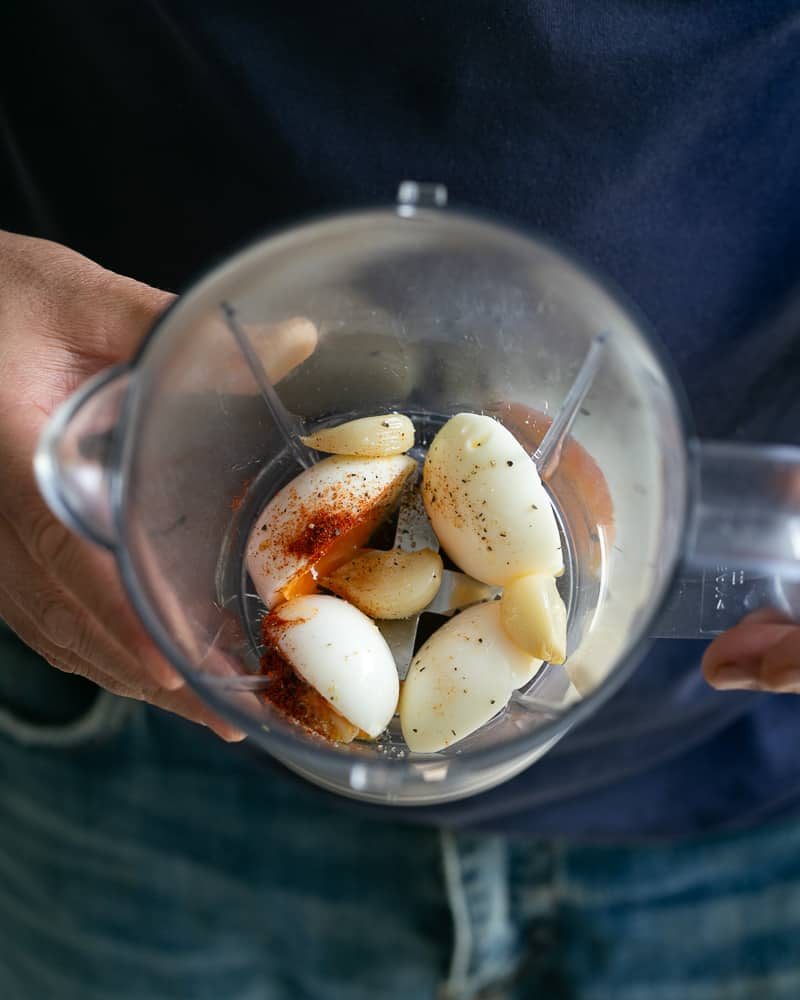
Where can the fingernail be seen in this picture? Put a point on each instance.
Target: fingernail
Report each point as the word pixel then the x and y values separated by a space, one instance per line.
pixel 230 735
pixel 60 625
pixel 736 677
pixel 172 680
pixel 784 680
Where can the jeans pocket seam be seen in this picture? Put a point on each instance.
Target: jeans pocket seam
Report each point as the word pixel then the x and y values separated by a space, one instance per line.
pixel 103 719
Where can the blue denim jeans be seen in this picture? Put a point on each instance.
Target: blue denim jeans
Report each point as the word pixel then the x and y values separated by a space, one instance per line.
pixel 142 858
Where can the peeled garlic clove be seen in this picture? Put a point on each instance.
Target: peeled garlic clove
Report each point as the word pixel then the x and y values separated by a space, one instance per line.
pixel 368 437
pixel 325 721
pixel 392 584
pixel 535 618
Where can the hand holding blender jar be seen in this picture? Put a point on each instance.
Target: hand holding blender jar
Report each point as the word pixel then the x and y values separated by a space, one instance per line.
pixel 239 498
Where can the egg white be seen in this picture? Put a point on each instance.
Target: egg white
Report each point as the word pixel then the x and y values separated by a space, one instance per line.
pixel 460 678
pixel 487 504
pixel 342 655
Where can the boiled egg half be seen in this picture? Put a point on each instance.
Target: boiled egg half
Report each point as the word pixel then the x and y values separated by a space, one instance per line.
pixel 319 520
pixel 487 504
pixel 343 659
pixel 461 678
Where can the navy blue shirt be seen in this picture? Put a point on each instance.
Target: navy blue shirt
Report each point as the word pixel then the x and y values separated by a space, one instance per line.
pixel 659 139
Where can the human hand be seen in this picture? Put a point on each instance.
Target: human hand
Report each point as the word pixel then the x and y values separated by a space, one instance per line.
pixel 761 653
pixel 62 319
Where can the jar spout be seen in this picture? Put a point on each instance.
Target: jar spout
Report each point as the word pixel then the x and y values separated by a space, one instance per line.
pixel 75 461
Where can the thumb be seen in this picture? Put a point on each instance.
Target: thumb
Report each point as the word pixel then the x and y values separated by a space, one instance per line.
pixel 126 310
pixel 754 654
pixel 74 303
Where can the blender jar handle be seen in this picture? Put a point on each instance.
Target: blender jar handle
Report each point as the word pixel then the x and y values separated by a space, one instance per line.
pixel 743 539
pixel 74 459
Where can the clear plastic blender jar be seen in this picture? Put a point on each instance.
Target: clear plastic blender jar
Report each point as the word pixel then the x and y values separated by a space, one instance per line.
pixel 427 311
